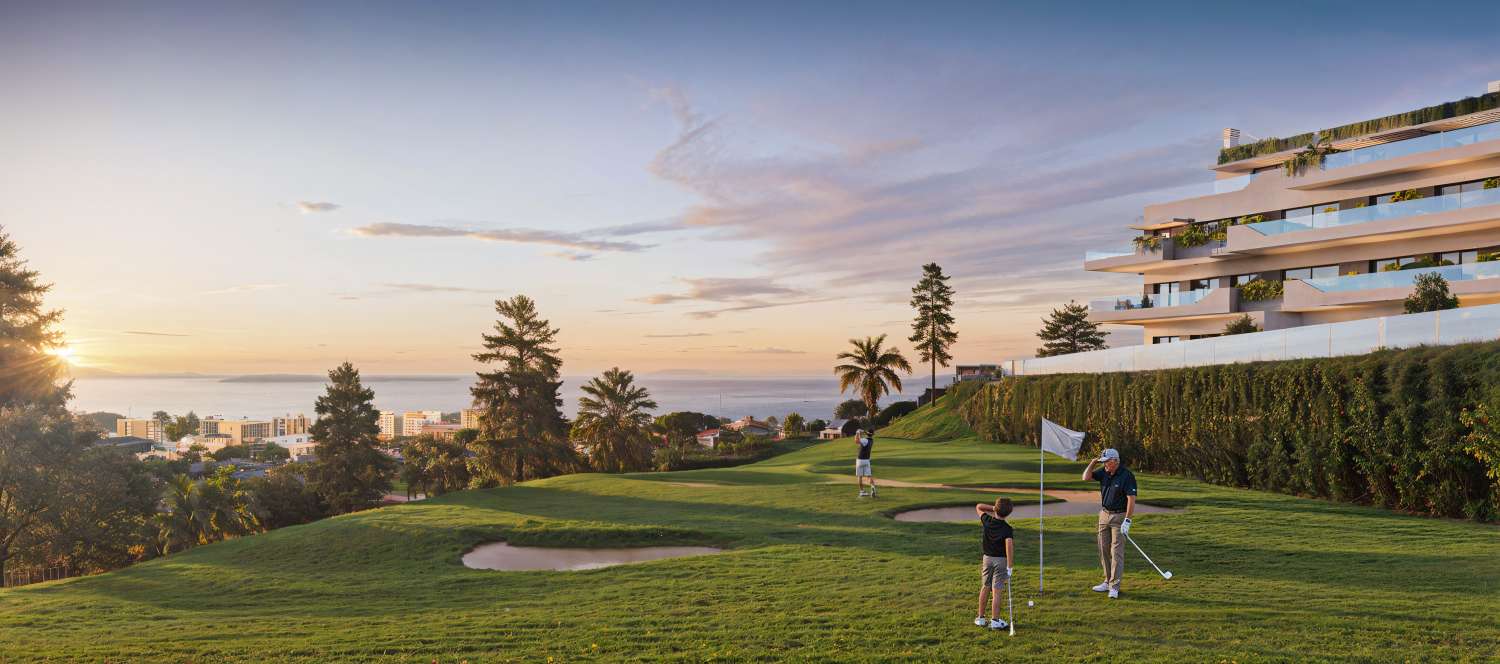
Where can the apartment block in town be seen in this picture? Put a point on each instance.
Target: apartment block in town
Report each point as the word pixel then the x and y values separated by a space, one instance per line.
pixel 1328 226
pixel 289 425
pixel 240 432
pixel 468 418
pixel 412 421
pixel 140 428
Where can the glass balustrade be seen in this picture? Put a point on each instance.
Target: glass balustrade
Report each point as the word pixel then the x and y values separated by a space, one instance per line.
pixel 1404 278
pixel 1403 209
pixel 1447 139
pixel 1129 302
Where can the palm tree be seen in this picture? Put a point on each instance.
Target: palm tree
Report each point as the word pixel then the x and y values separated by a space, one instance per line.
pixel 871 369
pixel 614 422
pixel 200 512
pixel 183 523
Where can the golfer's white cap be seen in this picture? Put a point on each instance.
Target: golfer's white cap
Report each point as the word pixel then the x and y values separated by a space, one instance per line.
pixel 1110 454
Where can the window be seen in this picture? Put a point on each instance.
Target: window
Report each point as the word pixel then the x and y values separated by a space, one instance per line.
pixel 1298 212
pixel 1203 284
pixel 1242 279
pixel 1312 272
pixel 1165 340
pixel 1167 294
pixel 1459 257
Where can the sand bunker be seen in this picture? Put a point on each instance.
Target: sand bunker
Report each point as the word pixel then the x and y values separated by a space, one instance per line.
pixel 502 556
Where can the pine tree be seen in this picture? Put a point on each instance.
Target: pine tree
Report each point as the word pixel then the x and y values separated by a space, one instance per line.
pixel 351 473
pixel 1431 294
pixel 932 330
pixel 1068 330
pixel 28 330
pixel 522 432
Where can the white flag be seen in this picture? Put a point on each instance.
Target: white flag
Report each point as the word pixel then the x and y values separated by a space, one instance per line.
pixel 1061 441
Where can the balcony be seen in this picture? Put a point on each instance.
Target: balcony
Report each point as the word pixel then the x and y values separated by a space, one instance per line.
pixel 1428 143
pixel 1453 213
pixel 1134 309
pixel 1145 260
pixel 1473 282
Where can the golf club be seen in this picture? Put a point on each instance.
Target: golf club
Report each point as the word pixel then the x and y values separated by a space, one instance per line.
pixel 1010 606
pixel 1164 575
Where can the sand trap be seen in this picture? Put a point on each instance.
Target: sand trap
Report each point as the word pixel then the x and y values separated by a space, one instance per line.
pixel 1025 510
pixel 502 556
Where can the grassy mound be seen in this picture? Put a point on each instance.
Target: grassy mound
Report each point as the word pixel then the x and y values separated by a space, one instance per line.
pixel 811 573
pixel 936 421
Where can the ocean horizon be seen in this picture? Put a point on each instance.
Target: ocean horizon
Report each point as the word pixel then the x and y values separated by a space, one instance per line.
pixel 264 396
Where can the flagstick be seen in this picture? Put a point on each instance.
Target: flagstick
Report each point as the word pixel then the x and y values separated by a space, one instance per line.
pixel 1041 530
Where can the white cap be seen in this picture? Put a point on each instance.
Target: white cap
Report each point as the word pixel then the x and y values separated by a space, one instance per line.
pixel 1110 454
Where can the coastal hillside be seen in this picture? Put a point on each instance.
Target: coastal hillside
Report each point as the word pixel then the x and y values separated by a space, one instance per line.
pixel 939 420
pixel 808 571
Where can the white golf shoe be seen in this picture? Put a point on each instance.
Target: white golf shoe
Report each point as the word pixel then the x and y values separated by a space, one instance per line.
pixel 1114 594
pixel 1102 587
pixel 980 621
pixel 862 494
pixel 998 624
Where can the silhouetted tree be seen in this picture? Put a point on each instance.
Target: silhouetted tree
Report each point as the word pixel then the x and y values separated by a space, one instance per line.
pixel 871 370
pixel 1068 330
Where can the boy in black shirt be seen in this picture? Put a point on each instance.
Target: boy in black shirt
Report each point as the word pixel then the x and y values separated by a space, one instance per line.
pixel 999 549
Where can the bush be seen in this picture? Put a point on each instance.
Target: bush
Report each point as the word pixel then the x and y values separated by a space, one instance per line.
pixel 1261 290
pixel 1430 294
pixel 1242 325
pixel 893 411
pixel 1384 429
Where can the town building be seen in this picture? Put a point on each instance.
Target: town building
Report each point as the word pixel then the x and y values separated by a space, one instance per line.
pixel 440 430
pixel 300 446
pixel 149 429
pixel 390 425
pixel 750 426
pixel 240 432
pixel 468 418
pixel 288 425
pixel 412 421
pixel 708 438
pixel 965 372
pixel 1327 227
pixel 211 442
pixel 131 444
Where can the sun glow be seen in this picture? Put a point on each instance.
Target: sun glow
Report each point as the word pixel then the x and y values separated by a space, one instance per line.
pixel 65 353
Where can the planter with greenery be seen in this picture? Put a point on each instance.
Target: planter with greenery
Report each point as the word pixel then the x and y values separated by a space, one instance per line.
pixel 1261 290
pixel 1249 219
pixel 1492 183
pixel 1192 235
pixel 1147 242
pixel 1405 195
pixel 1382 429
pixel 1489 256
pixel 1433 113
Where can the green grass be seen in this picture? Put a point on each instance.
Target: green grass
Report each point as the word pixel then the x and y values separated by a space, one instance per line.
pixel 939 420
pixel 811 573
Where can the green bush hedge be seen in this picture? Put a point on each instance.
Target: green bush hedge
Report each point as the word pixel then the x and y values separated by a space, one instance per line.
pixel 1382 429
pixel 1433 113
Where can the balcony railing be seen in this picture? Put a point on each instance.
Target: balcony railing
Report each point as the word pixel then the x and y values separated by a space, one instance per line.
pixel 1227 185
pixel 1404 278
pixel 1447 139
pixel 1412 208
pixel 1108 253
pixel 1131 302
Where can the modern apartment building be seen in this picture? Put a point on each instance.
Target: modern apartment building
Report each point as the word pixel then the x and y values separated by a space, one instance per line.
pixel 289 425
pixel 1325 227
pixel 412 421
pixel 468 418
pixel 390 425
pixel 240 432
pixel 140 428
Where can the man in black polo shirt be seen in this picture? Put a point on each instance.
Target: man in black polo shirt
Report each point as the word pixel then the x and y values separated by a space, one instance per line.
pixel 1117 504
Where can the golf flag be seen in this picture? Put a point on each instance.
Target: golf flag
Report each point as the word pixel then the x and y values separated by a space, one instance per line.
pixel 1061 441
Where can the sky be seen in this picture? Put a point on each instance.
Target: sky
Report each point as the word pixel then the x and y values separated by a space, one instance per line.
pixel 279 187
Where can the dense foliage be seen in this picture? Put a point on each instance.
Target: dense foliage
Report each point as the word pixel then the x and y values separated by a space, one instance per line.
pixel 351 472
pixel 1385 428
pixel 1433 113
pixel 614 423
pixel 1242 325
pixel 1068 330
pixel 1262 290
pixel 1430 294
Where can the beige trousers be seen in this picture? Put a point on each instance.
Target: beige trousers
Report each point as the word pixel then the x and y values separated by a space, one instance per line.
pixel 1111 547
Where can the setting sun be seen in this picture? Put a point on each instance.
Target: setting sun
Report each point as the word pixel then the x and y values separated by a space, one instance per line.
pixel 66 353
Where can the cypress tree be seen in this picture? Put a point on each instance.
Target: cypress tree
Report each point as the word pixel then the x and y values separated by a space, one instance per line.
pixel 350 473
pixel 932 331
pixel 1068 330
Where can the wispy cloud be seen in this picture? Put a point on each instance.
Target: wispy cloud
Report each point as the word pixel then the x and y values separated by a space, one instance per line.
pixel 677 336
pixel 243 288
pixel 641 228
pixel 772 351
pixel 575 256
pixel 436 288
pixel 574 241
pixel 146 333
pixel 722 289
pixel 314 207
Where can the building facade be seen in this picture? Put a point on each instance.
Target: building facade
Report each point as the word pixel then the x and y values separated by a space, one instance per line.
pixel 240 432
pixel 468 418
pixel 1310 235
pixel 300 445
pixel 140 428
pixel 412 421
pixel 289 425
pixel 390 425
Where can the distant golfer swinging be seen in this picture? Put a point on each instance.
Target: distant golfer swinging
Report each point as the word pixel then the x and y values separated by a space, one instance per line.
pixel 1116 505
pixel 866 442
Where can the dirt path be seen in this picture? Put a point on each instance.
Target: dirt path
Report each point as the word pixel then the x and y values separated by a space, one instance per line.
pixel 1074 503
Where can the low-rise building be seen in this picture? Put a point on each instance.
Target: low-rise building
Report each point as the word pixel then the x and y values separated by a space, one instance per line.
pixel 708 438
pixel 977 372
pixel 140 428
pixel 240 432
pixel 750 426
pixel 300 446
pixel 132 444
pixel 390 424
pixel 289 424
pixel 211 442
pixel 440 430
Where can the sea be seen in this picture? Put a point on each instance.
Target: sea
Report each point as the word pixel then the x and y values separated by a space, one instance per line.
pixel 261 398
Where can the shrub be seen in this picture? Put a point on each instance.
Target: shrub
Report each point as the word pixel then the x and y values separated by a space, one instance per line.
pixel 1489 256
pixel 1192 235
pixel 892 412
pixel 1249 219
pixel 1242 325
pixel 1405 195
pixel 1261 290
pixel 1430 294
pixel 1442 111
pixel 1492 183
pixel 1147 242
pixel 1385 429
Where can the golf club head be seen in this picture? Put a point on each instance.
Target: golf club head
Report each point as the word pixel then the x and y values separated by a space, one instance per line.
pixel 1167 574
pixel 1012 629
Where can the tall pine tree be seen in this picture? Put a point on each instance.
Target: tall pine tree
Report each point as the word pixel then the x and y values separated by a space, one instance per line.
pixel 351 473
pixel 28 330
pixel 1068 330
pixel 932 331
pixel 522 432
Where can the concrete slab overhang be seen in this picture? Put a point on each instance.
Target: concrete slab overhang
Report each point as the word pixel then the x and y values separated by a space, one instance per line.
pixel 1303 297
pixel 1247 240
pixel 1218 302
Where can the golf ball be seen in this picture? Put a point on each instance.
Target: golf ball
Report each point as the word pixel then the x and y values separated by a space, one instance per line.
pixel 1030 603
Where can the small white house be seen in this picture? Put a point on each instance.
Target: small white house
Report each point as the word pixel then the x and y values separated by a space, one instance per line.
pixel 833 431
pixel 300 445
pixel 708 438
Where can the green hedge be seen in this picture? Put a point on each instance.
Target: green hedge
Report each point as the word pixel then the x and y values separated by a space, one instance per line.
pixel 1443 111
pixel 1382 429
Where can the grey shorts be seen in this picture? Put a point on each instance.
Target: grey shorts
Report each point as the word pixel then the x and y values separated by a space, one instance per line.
pixel 992 572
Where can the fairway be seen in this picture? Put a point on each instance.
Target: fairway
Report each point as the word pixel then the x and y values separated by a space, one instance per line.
pixel 811 573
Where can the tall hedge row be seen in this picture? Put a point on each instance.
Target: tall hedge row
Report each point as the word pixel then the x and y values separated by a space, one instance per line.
pixel 1382 429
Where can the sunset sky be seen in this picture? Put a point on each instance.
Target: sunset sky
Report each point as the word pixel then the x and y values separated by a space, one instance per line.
pixel 278 188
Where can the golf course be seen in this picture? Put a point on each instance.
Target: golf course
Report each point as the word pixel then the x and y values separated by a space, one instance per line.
pixel 808 571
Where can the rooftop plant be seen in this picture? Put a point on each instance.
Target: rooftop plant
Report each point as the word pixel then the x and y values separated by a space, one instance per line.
pixel 1492 183
pixel 1194 235
pixel 1147 242
pixel 1405 195
pixel 1442 111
